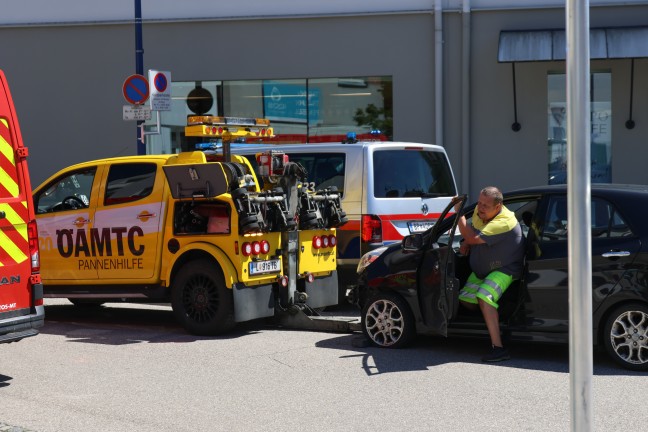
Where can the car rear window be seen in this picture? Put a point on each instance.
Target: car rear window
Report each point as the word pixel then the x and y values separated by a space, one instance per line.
pixel 411 173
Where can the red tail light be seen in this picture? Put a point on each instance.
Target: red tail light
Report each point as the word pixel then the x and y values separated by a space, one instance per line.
pixel 371 229
pixel 317 242
pixel 332 240
pixel 265 247
pixel 256 248
pixel 32 234
pixel 246 249
pixel 325 241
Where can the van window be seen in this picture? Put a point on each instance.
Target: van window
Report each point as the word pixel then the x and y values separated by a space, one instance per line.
pixel 129 182
pixel 411 173
pixel 323 169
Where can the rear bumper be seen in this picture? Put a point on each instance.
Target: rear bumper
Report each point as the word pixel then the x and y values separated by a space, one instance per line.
pixel 16 328
pixel 22 325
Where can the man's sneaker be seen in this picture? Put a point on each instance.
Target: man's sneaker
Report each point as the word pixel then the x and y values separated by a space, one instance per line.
pixel 497 354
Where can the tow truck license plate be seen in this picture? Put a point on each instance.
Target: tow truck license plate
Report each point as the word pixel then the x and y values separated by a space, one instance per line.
pixel 415 227
pixel 260 267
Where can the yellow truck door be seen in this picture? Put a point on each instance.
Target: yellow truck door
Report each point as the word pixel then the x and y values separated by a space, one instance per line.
pixel 65 213
pixel 130 213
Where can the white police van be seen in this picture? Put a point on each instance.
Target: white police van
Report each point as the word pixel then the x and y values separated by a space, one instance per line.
pixel 389 190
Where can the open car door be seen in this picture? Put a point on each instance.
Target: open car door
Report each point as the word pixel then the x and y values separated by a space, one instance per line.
pixel 438 287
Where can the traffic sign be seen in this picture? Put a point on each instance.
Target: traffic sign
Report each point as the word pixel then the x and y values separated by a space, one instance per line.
pixel 136 112
pixel 136 89
pixel 160 90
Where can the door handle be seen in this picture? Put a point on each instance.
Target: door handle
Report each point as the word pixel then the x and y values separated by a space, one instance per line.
pixel 144 216
pixel 79 222
pixel 616 254
pixel 2 215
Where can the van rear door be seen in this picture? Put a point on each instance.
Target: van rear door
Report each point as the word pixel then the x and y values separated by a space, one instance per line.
pixel 409 185
pixel 21 295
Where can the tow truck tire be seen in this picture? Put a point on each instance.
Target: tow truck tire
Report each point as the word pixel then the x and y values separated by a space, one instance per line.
pixel 201 302
pixel 625 336
pixel 387 321
pixel 239 192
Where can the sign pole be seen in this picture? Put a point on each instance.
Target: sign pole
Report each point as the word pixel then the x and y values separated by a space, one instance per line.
pixel 139 67
pixel 579 241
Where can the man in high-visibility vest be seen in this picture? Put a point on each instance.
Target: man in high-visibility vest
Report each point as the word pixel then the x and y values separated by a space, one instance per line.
pixel 495 245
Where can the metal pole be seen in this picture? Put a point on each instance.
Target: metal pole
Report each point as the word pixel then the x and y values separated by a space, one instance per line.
pixel 438 73
pixel 139 67
pixel 579 216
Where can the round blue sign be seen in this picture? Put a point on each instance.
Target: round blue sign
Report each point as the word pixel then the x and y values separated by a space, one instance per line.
pixel 160 82
pixel 136 89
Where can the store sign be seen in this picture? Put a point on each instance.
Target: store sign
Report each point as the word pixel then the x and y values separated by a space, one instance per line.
pixel 288 102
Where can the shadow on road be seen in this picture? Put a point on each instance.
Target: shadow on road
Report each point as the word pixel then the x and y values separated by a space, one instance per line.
pixel 122 325
pixel 4 380
pixel 428 352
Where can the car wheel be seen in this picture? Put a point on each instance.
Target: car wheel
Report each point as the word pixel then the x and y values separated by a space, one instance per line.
pixel 387 321
pixel 201 302
pixel 626 336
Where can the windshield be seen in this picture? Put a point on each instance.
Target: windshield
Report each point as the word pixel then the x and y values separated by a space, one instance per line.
pixel 412 173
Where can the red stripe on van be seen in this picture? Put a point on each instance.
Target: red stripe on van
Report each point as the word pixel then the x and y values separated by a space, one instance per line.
pixel 352 225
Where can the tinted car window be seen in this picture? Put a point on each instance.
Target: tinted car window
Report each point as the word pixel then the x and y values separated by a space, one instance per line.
pixel 606 221
pixel 129 182
pixel 77 186
pixel 411 173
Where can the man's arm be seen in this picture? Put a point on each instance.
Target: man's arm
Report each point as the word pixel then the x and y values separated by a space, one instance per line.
pixel 469 235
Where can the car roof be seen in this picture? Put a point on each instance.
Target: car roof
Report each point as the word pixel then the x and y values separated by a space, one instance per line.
pixel 596 188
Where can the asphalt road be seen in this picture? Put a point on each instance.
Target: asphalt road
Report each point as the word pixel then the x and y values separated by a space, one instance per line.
pixel 132 368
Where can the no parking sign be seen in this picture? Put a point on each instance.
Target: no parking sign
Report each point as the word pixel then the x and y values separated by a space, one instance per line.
pixel 160 83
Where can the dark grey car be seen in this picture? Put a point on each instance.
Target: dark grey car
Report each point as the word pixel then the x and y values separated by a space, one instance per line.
pixel 412 287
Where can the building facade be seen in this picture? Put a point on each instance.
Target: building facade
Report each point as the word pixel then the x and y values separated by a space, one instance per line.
pixel 483 78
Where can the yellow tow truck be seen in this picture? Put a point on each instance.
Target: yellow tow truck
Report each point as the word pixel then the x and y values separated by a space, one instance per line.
pixel 196 230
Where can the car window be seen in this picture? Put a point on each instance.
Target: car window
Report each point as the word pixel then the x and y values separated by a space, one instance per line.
pixel 411 173
pixel 129 182
pixel 524 210
pixel 605 220
pixel 69 192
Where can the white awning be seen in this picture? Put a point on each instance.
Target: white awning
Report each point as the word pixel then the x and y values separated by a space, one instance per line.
pixel 549 45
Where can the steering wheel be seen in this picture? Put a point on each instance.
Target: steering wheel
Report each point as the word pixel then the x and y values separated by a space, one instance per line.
pixel 73 202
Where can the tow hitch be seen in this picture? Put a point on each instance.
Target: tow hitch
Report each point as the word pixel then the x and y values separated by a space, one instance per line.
pixel 302 317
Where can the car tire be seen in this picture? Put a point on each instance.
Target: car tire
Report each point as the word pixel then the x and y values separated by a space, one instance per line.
pixel 387 321
pixel 626 336
pixel 201 302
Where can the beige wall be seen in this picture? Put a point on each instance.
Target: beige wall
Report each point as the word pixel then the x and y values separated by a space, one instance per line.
pixel 67 82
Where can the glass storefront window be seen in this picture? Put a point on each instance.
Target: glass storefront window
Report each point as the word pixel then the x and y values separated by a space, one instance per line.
pixel 601 124
pixel 300 110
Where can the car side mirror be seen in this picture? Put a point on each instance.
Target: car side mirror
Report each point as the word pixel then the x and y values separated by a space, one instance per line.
pixel 412 243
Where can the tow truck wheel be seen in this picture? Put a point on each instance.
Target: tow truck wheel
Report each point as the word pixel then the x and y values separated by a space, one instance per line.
pixel 387 321
pixel 201 302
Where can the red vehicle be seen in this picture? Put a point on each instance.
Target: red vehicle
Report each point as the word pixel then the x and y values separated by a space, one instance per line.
pixel 21 290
